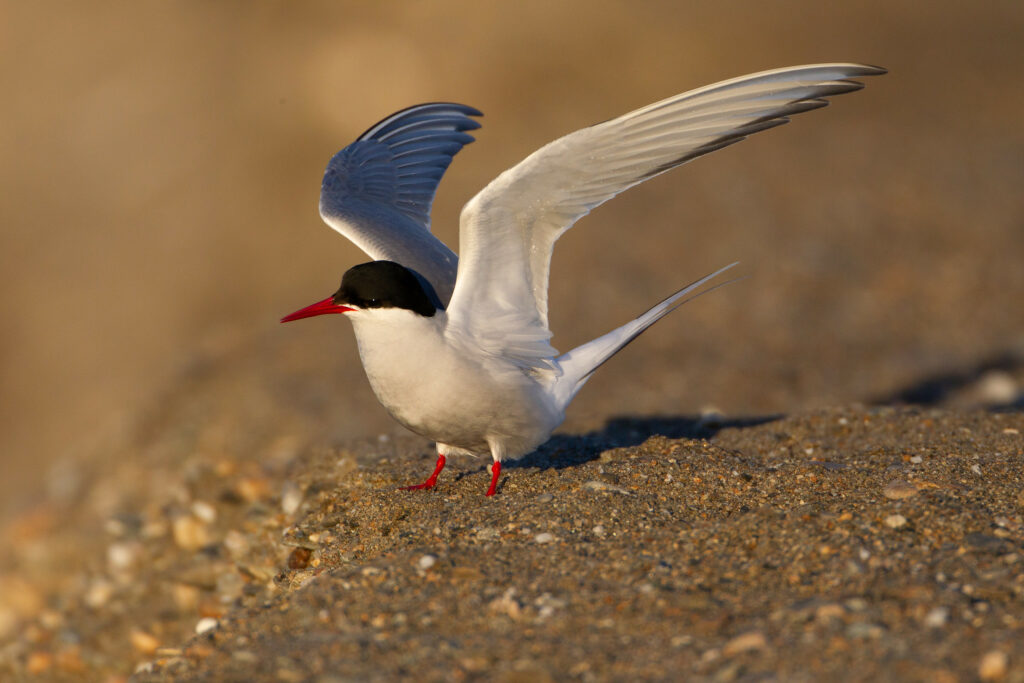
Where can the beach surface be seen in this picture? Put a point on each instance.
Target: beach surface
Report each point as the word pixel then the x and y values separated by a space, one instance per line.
pixel 853 543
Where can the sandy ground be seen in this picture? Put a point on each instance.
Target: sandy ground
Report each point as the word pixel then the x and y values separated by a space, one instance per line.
pixel 844 544
pixel 848 507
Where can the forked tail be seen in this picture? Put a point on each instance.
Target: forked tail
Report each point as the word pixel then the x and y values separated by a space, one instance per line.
pixel 579 364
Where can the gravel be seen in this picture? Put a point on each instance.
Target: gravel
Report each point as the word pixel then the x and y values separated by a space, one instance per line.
pixel 804 548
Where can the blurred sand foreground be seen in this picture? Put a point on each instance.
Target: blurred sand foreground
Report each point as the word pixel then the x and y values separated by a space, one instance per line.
pixel 171 454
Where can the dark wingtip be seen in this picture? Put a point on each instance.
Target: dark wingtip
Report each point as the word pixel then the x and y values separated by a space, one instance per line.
pixel 872 70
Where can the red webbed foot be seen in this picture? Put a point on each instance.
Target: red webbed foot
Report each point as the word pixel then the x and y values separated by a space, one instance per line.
pixel 431 480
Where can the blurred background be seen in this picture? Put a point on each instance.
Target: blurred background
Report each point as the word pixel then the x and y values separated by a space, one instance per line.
pixel 160 165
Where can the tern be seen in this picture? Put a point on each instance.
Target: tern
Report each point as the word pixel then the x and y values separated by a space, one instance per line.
pixel 457 349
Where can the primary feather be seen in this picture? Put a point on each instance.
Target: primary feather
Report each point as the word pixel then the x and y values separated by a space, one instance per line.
pixel 517 218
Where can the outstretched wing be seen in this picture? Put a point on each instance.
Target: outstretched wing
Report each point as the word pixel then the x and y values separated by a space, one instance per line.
pixel 378 191
pixel 508 230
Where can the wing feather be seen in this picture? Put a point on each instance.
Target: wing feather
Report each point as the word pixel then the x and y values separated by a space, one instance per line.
pixel 517 218
pixel 378 191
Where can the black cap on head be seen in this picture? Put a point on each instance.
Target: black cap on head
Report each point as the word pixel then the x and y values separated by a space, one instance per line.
pixel 384 284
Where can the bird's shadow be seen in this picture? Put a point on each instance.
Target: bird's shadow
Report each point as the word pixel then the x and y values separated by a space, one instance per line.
pixel 570 450
pixel 939 388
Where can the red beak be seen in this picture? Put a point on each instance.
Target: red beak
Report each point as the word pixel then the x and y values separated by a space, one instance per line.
pixel 319 308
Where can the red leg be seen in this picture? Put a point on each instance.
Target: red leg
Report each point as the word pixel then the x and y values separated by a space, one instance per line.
pixel 495 471
pixel 431 480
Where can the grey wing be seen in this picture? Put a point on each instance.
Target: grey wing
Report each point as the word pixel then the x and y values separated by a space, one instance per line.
pixel 508 230
pixel 378 191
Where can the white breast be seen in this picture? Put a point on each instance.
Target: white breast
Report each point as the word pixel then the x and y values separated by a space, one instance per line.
pixel 448 390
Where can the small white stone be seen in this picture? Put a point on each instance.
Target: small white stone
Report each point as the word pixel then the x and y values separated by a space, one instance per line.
pixel 427 561
pixel 895 521
pixel 598 530
pixel 544 538
pixel 291 498
pixel 937 617
pixel 975 469
pixel 997 386
pixel 204 511
pixel 916 459
pixel 206 624
pixel 123 556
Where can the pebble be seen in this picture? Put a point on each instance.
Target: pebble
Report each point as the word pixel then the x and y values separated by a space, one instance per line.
pixel 291 498
pixel 189 533
pixel 545 498
pixel 426 562
pixel 899 489
pixel 205 624
pixel 122 556
pixel 829 611
pixel 993 666
pixel 856 604
pixel 545 537
pixel 299 558
pixel 204 511
pixel 186 596
pixel 754 640
pixel 252 489
pixel 507 605
pixel 895 521
pixel 98 593
pixel 936 617
pixel 864 629
pixel 997 386
pixel 596 485
pixel 237 543
pixel 144 668
pixel 145 643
